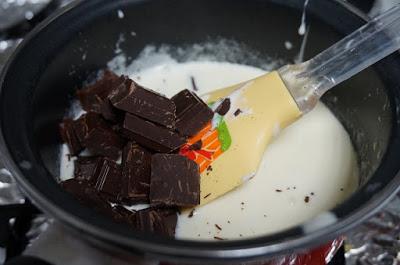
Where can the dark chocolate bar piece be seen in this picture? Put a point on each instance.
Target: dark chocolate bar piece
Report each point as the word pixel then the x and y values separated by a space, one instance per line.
pixel 85 167
pixel 223 107
pixel 87 195
pixel 93 96
pixel 144 103
pixel 108 178
pixel 69 136
pixel 123 215
pixel 192 114
pixel 86 123
pixel 136 170
pixel 151 136
pixel 161 221
pixel 175 180
pixel 104 142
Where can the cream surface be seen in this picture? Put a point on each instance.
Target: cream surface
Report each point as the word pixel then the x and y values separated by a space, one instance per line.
pixel 308 169
pixel 312 160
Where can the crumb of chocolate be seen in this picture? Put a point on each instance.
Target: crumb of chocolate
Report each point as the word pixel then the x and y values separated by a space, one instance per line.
pixel 278 190
pixel 196 146
pixel 209 168
pixel 294 187
pixel 237 112
pixel 206 196
pixel 306 199
pixel 194 85
pixel 218 227
pixel 242 203
pixel 198 234
pixel 229 222
pixel 265 215
pixel 218 238
pixel 312 193
pixel 191 213
pixel 208 173
pixel 240 235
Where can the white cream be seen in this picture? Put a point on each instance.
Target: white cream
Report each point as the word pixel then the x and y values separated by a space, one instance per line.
pixel 313 155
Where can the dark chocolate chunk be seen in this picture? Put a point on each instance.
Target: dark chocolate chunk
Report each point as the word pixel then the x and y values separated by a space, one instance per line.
pixel 136 163
pixel 224 107
pixel 104 142
pixel 85 167
pixel 93 96
pixel 123 215
pixel 192 114
pixel 87 195
pixel 175 180
pixel 86 123
pixel 161 221
pixel 108 178
pixel 144 103
pixel 150 135
pixel 196 146
pixel 69 136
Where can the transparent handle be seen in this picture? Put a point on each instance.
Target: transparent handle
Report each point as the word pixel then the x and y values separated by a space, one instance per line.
pixel 308 81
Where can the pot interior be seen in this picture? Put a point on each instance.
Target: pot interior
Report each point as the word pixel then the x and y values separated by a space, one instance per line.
pixel 45 73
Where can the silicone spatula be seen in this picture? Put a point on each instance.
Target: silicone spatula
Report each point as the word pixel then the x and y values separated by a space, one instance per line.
pixel 233 145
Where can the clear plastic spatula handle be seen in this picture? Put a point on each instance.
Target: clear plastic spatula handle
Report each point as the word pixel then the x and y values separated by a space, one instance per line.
pixel 308 81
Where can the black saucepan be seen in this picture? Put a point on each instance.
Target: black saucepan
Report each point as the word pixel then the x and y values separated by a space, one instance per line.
pixel 40 79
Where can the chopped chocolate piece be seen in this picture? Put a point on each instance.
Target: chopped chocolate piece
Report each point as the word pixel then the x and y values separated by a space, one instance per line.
pixel 224 107
pixel 218 227
pixel 108 111
pixel 205 197
pixel 69 136
pixel 193 81
pixel 191 213
pixel 93 96
pixel 104 142
pixel 277 190
pixel 209 168
pixel 307 199
pixel 85 194
pixel 123 215
pixel 86 123
pixel 108 179
pixel 237 112
pixel 218 238
pixel 157 220
pixel 144 103
pixel 136 163
pixel 192 114
pixel 150 135
pixel 85 167
pixel 175 180
pixel 196 146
